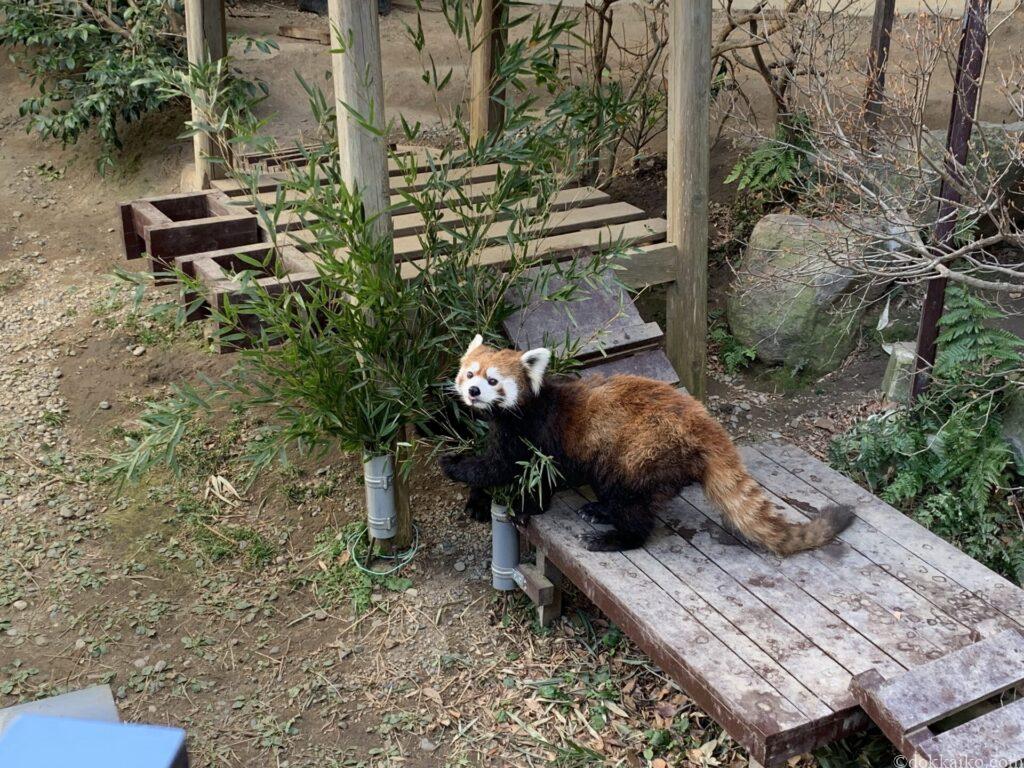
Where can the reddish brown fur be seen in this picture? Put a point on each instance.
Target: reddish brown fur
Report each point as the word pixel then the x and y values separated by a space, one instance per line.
pixel 643 439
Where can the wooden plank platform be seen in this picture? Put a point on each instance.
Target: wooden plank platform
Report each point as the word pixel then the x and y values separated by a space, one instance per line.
pixel 769 647
pixel 195 232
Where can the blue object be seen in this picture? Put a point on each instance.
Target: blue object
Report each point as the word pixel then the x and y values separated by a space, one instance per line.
pixel 34 741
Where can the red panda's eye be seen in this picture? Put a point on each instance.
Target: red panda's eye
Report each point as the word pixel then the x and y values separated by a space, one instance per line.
pixel 469 374
pixel 493 382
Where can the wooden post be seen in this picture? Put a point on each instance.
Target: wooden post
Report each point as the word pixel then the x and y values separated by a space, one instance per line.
pixel 966 88
pixel 206 41
pixel 489 39
pixel 549 613
pixel 878 57
pixel 689 106
pixel 359 96
pixel 359 84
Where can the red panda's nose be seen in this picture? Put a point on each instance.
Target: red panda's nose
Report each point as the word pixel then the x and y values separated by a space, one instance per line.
pixel 474 391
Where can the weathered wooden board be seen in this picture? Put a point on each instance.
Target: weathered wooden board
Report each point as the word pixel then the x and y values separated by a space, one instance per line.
pixel 600 326
pixel 712 673
pixel 560 247
pixel 994 740
pixel 878 606
pixel 958 603
pixel 808 624
pixel 945 558
pixel 649 363
pixel 905 705
pixel 571 220
pixel 924 695
pixel 269 182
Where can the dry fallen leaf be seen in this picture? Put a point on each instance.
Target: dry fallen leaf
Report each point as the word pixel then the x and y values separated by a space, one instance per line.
pixel 432 694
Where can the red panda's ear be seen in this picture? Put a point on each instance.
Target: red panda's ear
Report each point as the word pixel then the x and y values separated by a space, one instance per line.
pixel 536 362
pixel 476 342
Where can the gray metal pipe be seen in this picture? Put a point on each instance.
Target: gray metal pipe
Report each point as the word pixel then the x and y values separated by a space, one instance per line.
pixel 378 477
pixel 504 549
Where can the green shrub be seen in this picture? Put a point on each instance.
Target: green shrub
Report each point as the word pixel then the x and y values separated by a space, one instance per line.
pixel 775 166
pixel 95 65
pixel 944 460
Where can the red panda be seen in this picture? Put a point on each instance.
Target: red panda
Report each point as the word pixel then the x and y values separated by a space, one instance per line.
pixel 637 442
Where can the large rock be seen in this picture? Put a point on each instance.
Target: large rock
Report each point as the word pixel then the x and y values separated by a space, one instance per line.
pixel 791 301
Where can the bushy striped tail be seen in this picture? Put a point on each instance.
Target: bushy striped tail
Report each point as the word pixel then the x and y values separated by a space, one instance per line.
pixel 745 507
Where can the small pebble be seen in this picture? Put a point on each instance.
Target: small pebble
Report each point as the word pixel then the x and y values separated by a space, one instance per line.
pixel 20 605
pixel 320 615
pixel 427 745
pixel 460 566
pixel 104 405
pixel 80 644
pixel 138 351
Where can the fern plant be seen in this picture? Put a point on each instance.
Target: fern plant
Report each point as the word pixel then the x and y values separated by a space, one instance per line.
pixel 771 169
pixel 733 353
pixel 944 460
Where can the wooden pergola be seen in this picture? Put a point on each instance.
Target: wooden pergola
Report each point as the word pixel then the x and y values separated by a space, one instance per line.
pixel 681 262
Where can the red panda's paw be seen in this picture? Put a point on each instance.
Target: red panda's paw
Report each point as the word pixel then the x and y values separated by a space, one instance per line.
pixel 478 507
pixel 449 464
pixel 603 541
pixel 595 513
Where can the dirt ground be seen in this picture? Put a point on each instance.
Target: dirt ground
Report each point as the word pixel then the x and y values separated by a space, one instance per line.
pixel 234 617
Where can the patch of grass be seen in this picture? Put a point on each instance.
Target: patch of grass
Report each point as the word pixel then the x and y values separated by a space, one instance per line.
pixel 217 541
pixel 339 578
pixel 54 418
pixel 786 378
pixel 12 277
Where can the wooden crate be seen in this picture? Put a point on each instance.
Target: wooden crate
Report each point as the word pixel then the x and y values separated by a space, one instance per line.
pixel 285 269
pixel 163 228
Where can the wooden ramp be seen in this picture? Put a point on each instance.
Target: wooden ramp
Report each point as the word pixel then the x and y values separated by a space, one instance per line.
pixel 769 646
pixel 600 328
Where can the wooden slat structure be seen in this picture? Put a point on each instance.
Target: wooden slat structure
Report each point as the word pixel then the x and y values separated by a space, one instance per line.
pixel 202 233
pixel 978 685
pixel 770 647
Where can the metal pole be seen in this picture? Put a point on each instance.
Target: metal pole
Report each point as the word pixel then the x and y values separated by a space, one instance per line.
pixel 878 56
pixel 967 86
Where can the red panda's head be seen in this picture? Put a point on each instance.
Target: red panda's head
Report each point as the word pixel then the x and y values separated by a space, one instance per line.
pixel 501 378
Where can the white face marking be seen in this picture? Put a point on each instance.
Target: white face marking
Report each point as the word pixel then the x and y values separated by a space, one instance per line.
pixel 484 389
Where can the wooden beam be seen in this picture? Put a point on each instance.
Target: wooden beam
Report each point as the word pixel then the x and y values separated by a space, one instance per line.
pixel 206 41
pixel 359 96
pixel 689 98
pixel 362 147
pixel 490 36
